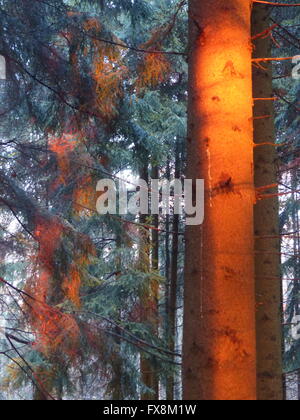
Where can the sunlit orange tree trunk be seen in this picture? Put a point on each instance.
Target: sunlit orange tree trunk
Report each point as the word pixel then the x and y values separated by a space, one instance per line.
pixel 219 357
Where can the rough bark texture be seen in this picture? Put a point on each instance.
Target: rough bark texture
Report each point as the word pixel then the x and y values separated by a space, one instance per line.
pixel 266 224
pixel 219 357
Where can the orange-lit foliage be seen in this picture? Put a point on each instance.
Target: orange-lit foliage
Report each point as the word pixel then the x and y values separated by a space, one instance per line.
pixel 84 196
pixel 56 330
pixel 84 193
pixel 155 67
pixel 53 328
pixel 92 24
pixel 108 75
pixel 153 70
pixel 71 285
pixel 48 236
pixel 82 258
pixel 109 72
pixel 63 147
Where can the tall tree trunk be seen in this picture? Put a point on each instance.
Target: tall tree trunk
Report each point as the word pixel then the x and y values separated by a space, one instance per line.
pixel 117 367
pixel 219 355
pixel 155 285
pixel 296 263
pixel 155 233
pixel 266 224
pixel 168 382
pixel 172 311
pixel 168 260
pixel 148 374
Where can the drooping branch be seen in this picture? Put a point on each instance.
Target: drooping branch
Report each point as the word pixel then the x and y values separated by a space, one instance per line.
pixel 144 350
pixel 32 374
pixel 53 90
pixel 133 48
pixel 142 342
pixel 287 101
pixel 286 31
pixel 21 292
pixel 122 44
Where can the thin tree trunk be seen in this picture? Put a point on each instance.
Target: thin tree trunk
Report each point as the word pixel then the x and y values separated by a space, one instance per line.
pixel 296 251
pixel 169 393
pixel 155 286
pixel 167 250
pixel 117 367
pixel 155 233
pixel 266 225
pixel 148 374
pixel 172 312
pixel 219 355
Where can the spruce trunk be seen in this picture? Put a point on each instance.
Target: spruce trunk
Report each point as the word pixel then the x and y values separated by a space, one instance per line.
pixel 148 374
pixel 266 223
pixel 172 312
pixel 219 356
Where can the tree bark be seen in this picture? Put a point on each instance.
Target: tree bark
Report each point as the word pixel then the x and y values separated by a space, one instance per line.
pixel 172 311
pixel 168 259
pixel 148 374
pixel 155 286
pixel 219 355
pixel 266 224
pixel 296 251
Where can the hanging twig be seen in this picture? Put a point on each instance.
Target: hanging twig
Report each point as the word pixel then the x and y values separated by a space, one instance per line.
pixel 262 117
pixel 262 196
pixel 269 144
pixel 265 33
pixel 266 59
pixel 274 98
pixel 271 3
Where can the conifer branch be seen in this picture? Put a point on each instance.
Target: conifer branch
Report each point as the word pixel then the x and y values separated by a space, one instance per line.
pixel 32 375
pixel 132 335
pixel 133 48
